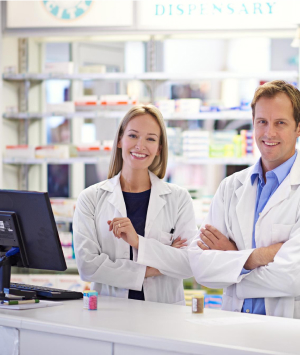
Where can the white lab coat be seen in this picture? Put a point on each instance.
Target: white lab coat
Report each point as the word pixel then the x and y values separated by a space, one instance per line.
pixel 232 213
pixel 105 260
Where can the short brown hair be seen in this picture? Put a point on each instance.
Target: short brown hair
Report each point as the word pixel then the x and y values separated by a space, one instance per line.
pixel 159 164
pixel 273 88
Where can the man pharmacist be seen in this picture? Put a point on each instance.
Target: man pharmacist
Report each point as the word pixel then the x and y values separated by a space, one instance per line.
pixel 250 241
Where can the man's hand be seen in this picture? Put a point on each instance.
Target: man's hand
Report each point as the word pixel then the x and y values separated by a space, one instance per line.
pixel 214 240
pixel 123 228
pixel 151 271
pixel 262 256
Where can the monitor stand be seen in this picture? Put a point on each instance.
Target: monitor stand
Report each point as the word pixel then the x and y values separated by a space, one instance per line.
pixel 5 273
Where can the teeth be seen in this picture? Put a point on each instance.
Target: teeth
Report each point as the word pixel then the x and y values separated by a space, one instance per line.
pixel 138 155
pixel 270 143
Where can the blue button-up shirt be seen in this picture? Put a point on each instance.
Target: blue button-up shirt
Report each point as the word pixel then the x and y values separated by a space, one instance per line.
pixel 264 192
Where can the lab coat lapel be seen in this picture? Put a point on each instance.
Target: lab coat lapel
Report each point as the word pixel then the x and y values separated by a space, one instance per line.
pixel 279 195
pixel 245 208
pixel 156 202
pixel 116 197
pixel 284 190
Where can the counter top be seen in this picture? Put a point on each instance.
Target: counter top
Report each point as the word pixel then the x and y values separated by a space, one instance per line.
pixel 162 326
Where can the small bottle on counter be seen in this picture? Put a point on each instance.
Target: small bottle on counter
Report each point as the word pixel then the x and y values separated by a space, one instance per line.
pixel 90 299
pixel 198 304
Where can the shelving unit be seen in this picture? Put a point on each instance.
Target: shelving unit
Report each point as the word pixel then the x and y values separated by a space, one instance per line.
pixel 151 79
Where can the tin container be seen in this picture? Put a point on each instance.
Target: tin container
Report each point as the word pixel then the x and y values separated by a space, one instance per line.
pixel 198 304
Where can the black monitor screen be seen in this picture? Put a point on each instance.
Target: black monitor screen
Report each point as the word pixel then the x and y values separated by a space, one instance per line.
pixel 37 226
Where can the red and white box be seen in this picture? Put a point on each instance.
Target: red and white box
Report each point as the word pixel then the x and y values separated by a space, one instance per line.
pixel 88 149
pixel 59 68
pixel 70 282
pixel 43 280
pixel 19 151
pixel 114 100
pixel 87 100
pixel 52 151
pixel 63 207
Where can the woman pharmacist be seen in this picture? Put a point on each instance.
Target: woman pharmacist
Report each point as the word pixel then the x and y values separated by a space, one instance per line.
pixel 130 230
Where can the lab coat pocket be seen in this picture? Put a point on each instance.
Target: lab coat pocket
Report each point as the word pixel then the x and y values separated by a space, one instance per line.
pixel 281 232
pixel 166 238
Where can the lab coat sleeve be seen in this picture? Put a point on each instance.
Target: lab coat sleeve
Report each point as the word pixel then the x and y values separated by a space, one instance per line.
pixel 279 278
pixel 171 261
pixel 216 268
pixel 93 265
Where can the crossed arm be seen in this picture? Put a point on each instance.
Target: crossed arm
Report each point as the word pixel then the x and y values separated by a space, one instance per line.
pixel 212 239
pixel 122 228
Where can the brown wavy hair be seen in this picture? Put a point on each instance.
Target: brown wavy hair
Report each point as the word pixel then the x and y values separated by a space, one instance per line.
pixel 273 88
pixel 159 164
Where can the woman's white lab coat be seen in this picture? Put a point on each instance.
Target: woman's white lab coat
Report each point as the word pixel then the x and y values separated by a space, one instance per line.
pixel 105 260
pixel 232 212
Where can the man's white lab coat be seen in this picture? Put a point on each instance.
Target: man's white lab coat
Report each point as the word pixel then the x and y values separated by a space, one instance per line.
pixel 232 213
pixel 105 260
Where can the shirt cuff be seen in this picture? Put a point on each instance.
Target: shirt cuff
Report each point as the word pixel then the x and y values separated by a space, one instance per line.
pixel 135 252
pixel 244 271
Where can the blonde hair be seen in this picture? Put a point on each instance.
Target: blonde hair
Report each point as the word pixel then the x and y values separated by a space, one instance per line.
pixel 159 164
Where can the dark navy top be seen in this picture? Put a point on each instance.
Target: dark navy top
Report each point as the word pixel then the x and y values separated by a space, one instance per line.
pixel 136 207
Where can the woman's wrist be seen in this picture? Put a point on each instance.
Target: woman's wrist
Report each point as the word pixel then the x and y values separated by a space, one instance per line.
pixel 136 246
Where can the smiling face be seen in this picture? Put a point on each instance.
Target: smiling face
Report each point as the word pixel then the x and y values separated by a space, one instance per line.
pixel 275 130
pixel 140 142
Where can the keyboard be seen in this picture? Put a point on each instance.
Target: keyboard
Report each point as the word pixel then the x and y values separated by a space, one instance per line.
pixel 48 292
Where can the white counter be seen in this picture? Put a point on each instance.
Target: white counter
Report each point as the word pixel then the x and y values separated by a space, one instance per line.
pixel 132 327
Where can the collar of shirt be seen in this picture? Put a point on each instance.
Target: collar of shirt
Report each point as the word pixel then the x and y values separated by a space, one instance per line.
pixel 280 172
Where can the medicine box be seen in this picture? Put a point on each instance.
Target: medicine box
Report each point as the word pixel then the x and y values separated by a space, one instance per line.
pixel 19 151
pixel 63 107
pixel 52 151
pixel 59 68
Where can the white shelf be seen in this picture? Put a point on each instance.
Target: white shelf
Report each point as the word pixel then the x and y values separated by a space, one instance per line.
pixel 84 160
pixel 219 115
pixel 160 76
pixel 216 161
pixel 119 114
pixel 70 115
pixel 94 160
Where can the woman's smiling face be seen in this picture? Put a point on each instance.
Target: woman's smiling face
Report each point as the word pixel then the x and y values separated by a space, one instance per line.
pixel 140 142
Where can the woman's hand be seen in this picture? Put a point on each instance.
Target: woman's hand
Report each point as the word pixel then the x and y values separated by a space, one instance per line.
pixel 179 243
pixel 151 271
pixel 123 228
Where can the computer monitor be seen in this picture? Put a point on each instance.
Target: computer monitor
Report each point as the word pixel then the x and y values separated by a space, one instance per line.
pixel 27 222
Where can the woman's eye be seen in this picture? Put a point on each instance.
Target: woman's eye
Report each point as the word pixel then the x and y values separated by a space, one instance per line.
pixel 132 135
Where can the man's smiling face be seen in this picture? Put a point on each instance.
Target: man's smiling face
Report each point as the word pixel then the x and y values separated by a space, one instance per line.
pixel 275 130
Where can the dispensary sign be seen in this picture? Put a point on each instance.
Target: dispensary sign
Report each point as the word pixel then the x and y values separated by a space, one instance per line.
pixel 210 14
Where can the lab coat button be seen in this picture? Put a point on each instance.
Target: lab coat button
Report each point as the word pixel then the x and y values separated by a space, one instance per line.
pixel 247 310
